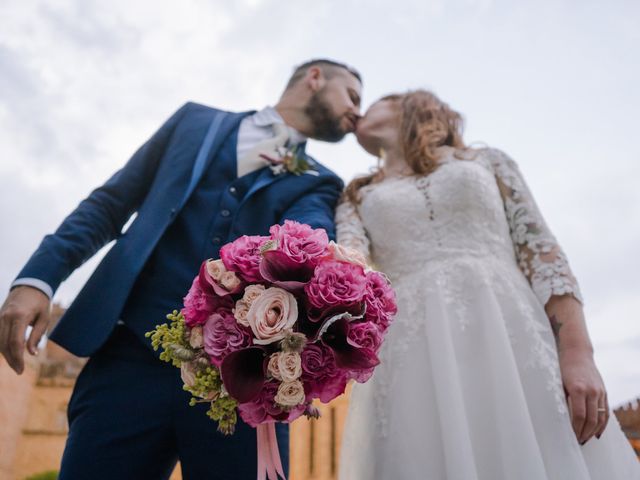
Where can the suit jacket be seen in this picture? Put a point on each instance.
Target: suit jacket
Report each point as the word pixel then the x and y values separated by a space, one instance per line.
pixel 156 183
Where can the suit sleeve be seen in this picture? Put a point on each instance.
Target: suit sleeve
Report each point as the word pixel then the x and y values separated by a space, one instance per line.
pixel 99 218
pixel 316 208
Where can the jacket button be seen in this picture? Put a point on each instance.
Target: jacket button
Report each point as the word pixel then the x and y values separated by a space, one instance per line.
pixel 233 190
pixel 225 213
pixel 216 240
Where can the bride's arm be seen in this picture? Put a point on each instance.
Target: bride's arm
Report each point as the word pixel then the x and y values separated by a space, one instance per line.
pixel 545 265
pixel 350 231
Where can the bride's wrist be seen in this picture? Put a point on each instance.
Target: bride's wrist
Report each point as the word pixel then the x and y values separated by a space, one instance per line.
pixel 575 351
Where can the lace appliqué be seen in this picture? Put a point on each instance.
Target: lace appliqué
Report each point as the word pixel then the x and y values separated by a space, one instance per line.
pixel 539 256
pixel 545 357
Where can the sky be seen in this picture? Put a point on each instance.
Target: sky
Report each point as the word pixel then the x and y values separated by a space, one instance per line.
pixel 553 83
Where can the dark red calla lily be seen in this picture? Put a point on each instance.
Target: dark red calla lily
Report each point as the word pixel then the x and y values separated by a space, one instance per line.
pixel 277 268
pixel 347 356
pixel 243 373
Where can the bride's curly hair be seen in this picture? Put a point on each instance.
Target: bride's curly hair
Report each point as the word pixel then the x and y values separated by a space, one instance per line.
pixel 426 123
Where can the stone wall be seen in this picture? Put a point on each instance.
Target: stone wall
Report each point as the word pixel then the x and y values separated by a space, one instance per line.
pixel 629 417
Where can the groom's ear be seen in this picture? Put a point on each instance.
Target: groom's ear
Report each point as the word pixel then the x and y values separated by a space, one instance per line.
pixel 315 79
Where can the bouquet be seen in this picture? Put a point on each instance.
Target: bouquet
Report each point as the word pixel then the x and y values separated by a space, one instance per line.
pixel 275 323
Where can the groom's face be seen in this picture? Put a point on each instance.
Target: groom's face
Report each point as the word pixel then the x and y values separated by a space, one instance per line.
pixel 334 109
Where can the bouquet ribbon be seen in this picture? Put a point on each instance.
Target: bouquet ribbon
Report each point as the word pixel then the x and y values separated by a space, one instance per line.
pixel 269 462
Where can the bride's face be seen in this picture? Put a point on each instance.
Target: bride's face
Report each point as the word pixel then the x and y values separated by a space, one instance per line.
pixel 380 126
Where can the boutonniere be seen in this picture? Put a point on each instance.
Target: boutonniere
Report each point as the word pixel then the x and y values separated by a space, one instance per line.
pixel 289 160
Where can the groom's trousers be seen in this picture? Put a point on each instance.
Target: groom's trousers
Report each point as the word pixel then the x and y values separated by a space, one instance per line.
pixel 129 419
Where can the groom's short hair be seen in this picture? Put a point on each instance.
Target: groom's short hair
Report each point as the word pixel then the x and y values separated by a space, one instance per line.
pixel 329 69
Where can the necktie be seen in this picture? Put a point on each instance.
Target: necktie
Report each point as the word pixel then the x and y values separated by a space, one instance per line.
pixel 253 161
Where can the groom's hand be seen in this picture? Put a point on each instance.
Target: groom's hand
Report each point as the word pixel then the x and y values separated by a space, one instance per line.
pixel 23 307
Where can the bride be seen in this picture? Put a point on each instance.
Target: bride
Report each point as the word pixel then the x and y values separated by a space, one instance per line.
pixel 487 372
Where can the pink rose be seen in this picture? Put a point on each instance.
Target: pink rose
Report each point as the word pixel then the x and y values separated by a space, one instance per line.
pixel 364 335
pixel 243 256
pixel 336 283
pixel 320 376
pixel 346 254
pixel 271 314
pixel 223 335
pixel 361 376
pixel 199 305
pixel 265 410
pixel 299 241
pixel 380 300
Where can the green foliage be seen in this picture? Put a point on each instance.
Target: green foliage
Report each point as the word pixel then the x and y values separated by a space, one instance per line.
pixel 172 339
pixel 223 411
pixel 50 475
pixel 207 383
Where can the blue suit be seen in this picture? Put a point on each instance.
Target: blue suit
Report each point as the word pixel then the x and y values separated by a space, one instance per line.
pixel 128 416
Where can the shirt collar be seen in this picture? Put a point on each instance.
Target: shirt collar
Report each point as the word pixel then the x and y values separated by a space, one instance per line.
pixel 269 115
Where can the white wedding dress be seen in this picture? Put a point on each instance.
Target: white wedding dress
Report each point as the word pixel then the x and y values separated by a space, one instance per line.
pixel 469 385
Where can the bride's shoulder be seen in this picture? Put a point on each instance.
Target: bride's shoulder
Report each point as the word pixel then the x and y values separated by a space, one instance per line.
pixel 493 155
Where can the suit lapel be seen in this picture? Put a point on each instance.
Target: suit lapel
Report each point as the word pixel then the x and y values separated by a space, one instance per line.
pixel 266 177
pixel 219 129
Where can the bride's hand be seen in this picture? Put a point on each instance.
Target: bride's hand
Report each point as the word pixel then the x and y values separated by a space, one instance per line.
pixel 586 394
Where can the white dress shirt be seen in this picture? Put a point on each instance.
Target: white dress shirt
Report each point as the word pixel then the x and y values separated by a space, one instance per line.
pixel 253 129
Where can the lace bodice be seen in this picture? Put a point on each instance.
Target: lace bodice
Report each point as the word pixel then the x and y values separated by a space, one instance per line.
pixel 478 206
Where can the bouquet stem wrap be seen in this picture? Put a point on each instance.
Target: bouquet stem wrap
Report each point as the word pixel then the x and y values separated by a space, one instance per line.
pixel 269 462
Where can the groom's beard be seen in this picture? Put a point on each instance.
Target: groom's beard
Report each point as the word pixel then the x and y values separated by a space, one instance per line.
pixel 326 126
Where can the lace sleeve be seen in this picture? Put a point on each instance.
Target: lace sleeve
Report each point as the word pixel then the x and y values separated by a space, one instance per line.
pixel 349 228
pixel 539 256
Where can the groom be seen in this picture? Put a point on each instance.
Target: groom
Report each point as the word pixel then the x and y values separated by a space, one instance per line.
pixel 198 183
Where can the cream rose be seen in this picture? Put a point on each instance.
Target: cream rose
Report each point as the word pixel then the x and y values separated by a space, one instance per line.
pixel 252 292
pixel 273 368
pixel 290 394
pixel 188 374
pixel 240 312
pixel 196 340
pixel 230 281
pixel 285 366
pixel 271 314
pixel 242 306
pixel 347 254
pixel 215 269
pixel 289 366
